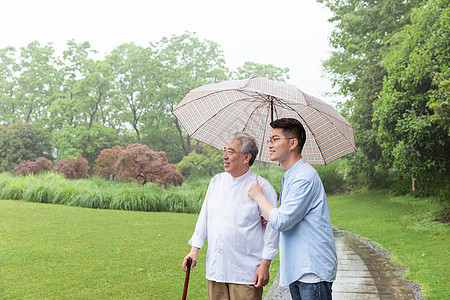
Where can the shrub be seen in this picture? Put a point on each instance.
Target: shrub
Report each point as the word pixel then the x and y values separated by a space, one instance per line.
pixel 75 168
pixel 22 141
pixel 141 163
pixel 332 179
pixel 106 162
pixel 33 167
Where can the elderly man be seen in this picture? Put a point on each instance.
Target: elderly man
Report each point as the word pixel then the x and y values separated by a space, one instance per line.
pixel 240 247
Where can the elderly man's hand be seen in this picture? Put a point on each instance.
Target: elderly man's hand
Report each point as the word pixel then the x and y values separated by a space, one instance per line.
pixel 262 274
pixel 193 255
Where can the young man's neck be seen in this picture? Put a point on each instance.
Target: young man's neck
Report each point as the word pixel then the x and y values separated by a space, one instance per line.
pixel 291 160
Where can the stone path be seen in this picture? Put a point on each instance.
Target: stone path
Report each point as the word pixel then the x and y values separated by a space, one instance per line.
pixel 364 272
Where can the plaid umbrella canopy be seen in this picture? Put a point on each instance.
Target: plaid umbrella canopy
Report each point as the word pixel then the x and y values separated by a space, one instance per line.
pixel 210 113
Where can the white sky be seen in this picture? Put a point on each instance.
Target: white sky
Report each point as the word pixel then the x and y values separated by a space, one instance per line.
pixel 285 33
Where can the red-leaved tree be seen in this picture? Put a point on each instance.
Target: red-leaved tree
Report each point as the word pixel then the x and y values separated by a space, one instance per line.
pixel 76 168
pixel 143 164
pixel 33 167
pixel 106 162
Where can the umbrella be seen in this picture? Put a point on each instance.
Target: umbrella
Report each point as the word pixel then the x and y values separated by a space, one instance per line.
pixel 210 113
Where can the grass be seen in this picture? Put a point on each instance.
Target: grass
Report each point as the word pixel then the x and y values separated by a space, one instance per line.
pixel 405 227
pixel 100 193
pixel 62 252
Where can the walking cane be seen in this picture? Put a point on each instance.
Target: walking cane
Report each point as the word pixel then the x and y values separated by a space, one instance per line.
pixel 186 280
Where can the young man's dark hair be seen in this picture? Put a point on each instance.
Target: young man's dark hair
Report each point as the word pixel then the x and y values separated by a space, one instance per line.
pixel 292 128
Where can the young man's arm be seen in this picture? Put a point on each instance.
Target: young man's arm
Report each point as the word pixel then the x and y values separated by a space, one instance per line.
pixel 256 194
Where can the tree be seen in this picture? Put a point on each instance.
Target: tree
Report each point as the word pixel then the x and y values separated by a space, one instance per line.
pixel 204 161
pixel 38 81
pixel 79 116
pixel 22 141
pixel 8 85
pixel 141 163
pixel 71 141
pixel 356 65
pixel 412 130
pixel 134 72
pixel 269 71
pixel 163 138
pixel 184 63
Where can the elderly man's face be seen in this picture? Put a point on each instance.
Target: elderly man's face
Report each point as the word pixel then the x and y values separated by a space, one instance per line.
pixel 235 162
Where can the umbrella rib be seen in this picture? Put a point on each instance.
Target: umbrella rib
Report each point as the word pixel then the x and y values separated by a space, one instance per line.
pixel 252 113
pixel 264 99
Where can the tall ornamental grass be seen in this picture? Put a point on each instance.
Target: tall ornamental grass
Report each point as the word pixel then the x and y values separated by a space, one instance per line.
pixel 100 193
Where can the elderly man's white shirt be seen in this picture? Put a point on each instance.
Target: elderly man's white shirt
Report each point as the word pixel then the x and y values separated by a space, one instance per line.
pixel 231 222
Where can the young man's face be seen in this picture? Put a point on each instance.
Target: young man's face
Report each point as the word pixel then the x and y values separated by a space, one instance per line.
pixel 279 146
pixel 234 162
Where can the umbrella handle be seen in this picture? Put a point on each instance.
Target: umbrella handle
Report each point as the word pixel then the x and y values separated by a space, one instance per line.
pixel 186 280
pixel 264 136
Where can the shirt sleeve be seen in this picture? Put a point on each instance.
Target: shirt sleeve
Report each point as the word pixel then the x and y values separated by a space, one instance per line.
pixel 201 233
pixel 271 236
pixel 294 206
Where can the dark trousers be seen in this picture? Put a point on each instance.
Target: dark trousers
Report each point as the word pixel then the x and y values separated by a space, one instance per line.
pixel 310 291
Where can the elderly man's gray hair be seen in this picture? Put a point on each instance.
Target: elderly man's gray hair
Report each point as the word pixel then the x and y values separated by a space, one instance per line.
pixel 248 144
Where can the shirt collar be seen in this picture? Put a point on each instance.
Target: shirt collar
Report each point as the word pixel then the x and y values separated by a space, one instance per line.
pixel 292 170
pixel 242 177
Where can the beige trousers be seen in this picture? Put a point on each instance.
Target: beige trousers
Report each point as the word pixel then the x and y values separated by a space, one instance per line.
pixel 232 291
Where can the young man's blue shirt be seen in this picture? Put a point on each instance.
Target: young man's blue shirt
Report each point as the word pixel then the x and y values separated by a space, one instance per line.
pixel 303 219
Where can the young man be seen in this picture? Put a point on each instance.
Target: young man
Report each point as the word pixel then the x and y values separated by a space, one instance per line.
pixel 308 260
pixel 240 247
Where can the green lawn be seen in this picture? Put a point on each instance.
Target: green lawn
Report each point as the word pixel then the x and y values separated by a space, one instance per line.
pixel 62 252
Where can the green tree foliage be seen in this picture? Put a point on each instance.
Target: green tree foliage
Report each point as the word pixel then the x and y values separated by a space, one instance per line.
pixel 71 142
pixel 163 138
pixel 204 161
pixel 360 40
pixel 77 117
pixel 38 82
pixel 184 63
pixel 269 71
pixel 134 75
pixel 86 103
pixel 22 141
pixel 8 85
pixel 412 111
